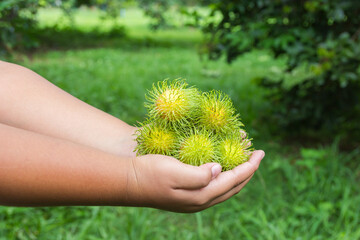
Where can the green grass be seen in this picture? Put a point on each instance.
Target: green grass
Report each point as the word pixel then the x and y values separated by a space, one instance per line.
pixel 89 30
pixel 298 193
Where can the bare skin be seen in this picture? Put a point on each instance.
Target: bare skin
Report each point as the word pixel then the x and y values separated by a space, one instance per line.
pixel 56 150
pixel 30 102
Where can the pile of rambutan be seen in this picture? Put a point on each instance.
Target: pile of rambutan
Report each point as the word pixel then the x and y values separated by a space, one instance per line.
pixel 193 126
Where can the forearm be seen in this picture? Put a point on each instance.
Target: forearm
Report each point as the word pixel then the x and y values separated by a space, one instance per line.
pixel 37 170
pixel 30 102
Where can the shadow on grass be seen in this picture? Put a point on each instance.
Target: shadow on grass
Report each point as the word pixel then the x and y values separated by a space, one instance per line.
pixel 53 38
pixel 73 38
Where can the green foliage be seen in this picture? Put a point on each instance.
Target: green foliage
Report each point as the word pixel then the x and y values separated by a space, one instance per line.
pixel 112 8
pixel 56 37
pixel 155 10
pixel 323 35
pixel 16 22
pixel 19 28
pixel 161 12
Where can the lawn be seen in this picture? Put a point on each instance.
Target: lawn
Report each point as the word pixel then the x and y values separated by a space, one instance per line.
pixel 298 192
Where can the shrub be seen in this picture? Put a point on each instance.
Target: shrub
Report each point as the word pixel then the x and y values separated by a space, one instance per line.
pixel 18 24
pixel 17 18
pixel 323 35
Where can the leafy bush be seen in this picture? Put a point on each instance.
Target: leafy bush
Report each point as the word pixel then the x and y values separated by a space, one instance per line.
pixel 323 35
pixel 17 18
pixel 155 10
pixel 161 12
pixel 18 23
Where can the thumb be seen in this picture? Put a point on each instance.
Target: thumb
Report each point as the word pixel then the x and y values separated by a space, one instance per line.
pixel 196 177
pixel 215 169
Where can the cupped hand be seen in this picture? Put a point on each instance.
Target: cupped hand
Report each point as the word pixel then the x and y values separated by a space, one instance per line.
pixel 166 183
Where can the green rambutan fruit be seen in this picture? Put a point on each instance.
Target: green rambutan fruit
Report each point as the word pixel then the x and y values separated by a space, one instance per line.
pixel 153 138
pixel 193 127
pixel 217 113
pixel 196 147
pixel 233 150
pixel 172 102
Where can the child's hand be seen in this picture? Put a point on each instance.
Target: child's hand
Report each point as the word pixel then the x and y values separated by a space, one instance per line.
pixel 165 183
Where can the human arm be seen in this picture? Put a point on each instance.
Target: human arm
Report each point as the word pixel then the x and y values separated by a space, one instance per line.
pixel 39 170
pixel 30 102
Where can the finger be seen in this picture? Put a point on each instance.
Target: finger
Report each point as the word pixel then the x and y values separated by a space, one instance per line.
pixel 194 177
pixel 230 179
pixel 230 193
pixel 243 134
pixel 223 183
pixel 215 169
pixel 235 190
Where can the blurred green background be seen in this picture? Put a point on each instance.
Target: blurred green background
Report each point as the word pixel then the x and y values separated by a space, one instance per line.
pixel 108 53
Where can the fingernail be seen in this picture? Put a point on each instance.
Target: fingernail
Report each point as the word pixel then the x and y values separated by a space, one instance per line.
pixel 242 133
pixel 215 170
